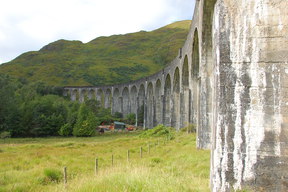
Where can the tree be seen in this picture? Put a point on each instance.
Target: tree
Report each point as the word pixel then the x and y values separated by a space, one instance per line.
pixel 44 115
pixel 9 111
pixel 86 122
pixel 67 128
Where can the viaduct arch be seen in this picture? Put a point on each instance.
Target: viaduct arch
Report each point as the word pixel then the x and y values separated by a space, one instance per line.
pixel 230 79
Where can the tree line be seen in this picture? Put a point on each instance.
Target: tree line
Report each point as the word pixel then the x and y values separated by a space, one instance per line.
pixel 40 110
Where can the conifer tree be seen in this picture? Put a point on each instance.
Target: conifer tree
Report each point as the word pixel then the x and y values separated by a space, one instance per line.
pixel 86 122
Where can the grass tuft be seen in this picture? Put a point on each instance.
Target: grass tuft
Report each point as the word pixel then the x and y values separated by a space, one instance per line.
pixel 51 176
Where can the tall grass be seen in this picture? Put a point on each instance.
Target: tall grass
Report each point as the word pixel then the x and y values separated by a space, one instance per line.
pixel 175 165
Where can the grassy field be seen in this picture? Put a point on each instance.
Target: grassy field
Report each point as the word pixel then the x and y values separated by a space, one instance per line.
pixel 37 164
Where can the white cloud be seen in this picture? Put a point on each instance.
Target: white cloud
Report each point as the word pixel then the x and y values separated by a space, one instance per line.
pixel 31 24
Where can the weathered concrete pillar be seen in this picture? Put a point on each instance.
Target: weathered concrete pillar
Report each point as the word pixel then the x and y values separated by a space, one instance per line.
pixel 158 107
pixel 145 113
pixel 170 110
pixel 201 142
pixel 116 102
pixel 175 110
pixel 73 94
pixel 65 92
pixel 108 99
pixel 120 103
pixel 196 91
pixel 154 123
pixel 91 94
pixel 167 112
pixel 204 114
pixel 150 107
pixel 175 107
pixel 126 102
pixel 185 108
pixel 206 73
pixel 163 110
pixel 184 97
pixel 113 106
pixel 250 113
pixel 182 110
pixel 142 106
pixel 137 108
pixel 100 97
pixel 133 100
pixel 82 95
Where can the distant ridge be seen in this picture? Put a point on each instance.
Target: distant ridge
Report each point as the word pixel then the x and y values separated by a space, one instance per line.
pixel 102 61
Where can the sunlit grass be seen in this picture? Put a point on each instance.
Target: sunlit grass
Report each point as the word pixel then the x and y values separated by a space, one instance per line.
pixel 174 165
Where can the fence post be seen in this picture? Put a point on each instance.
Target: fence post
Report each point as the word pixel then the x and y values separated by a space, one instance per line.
pixel 112 160
pixel 65 176
pixel 128 155
pixel 140 152
pixel 96 166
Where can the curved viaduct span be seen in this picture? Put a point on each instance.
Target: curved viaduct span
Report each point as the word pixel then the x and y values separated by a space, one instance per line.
pixel 230 79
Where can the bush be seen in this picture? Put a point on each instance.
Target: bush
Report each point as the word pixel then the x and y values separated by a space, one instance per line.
pixel 51 176
pixel 130 119
pixel 5 134
pixel 159 130
pixel 118 115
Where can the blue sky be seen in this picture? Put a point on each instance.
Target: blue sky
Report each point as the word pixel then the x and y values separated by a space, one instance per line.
pixel 29 25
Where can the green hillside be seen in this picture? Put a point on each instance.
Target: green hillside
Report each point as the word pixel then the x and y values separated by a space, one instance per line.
pixel 104 60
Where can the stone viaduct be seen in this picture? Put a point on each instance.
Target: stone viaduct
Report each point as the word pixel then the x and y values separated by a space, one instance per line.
pixel 230 78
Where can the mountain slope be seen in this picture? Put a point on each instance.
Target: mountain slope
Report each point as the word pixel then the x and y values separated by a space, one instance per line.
pixel 102 61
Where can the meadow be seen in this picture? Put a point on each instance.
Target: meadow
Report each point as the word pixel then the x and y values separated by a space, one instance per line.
pixel 36 164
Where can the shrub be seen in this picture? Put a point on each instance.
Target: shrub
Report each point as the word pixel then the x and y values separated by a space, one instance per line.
pixel 130 119
pixel 5 134
pixel 51 176
pixel 159 130
pixel 118 115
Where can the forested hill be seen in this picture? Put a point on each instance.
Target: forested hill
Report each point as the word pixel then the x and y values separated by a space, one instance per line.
pixel 102 61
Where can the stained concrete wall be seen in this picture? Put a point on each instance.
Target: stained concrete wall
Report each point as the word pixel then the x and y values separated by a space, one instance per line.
pixel 229 79
pixel 250 116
